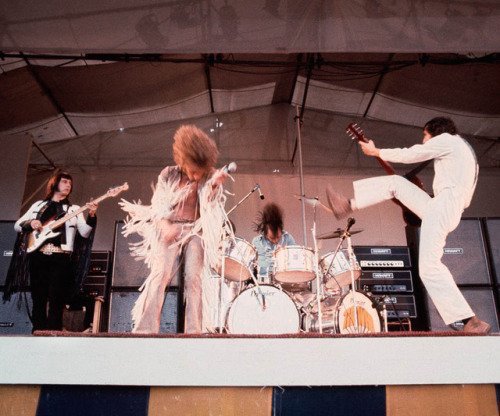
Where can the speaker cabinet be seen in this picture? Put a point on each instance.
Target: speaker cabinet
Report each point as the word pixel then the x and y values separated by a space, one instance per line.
pixel 465 253
pixel 7 240
pixel 14 318
pixel 482 302
pixel 493 237
pixel 122 302
pixel 127 271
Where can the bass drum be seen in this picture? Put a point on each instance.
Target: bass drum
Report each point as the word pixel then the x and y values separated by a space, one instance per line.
pixel 263 310
pixel 339 315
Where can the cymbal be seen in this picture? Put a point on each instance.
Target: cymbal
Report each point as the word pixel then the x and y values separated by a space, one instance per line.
pixel 336 234
pixel 312 202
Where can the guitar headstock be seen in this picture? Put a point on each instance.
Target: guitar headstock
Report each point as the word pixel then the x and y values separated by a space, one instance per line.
pixel 356 132
pixel 118 190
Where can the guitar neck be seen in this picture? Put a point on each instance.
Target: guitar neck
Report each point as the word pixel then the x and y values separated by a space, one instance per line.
pixel 67 217
pixel 386 166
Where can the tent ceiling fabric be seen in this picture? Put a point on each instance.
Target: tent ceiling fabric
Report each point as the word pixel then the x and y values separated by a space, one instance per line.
pixel 54 103
pixel 283 26
pixel 260 140
pixel 96 69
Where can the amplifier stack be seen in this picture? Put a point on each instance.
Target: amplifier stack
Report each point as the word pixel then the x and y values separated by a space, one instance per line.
pixel 96 282
pixel 387 274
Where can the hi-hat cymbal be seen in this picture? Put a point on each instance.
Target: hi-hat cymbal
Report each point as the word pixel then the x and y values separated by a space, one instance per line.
pixel 312 202
pixel 336 234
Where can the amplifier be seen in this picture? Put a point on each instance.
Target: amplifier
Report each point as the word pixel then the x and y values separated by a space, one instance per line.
pixel 402 306
pixel 383 257
pixel 100 262
pixel 95 285
pixel 378 281
pixel 122 302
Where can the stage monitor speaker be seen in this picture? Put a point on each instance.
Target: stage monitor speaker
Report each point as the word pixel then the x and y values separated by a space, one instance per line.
pixel 482 302
pixel 127 271
pixel 465 253
pixel 14 318
pixel 122 302
pixel 493 232
pixel 7 240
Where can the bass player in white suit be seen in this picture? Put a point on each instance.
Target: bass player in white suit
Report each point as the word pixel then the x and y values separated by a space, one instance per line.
pixel 51 266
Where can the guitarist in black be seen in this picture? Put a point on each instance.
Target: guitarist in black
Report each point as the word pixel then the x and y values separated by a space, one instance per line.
pixel 455 178
pixel 52 267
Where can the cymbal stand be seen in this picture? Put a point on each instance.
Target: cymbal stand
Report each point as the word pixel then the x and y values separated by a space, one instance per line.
pixel 350 253
pixel 316 271
pixel 221 283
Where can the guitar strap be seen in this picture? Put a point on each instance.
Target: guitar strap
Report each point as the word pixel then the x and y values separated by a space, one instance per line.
pixel 418 169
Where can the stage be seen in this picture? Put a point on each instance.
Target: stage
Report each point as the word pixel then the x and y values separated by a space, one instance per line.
pixel 394 358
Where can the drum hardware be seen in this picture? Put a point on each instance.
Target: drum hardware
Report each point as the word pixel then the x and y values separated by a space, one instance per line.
pixel 336 234
pixel 314 202
pixel 340 315
pixel 354 320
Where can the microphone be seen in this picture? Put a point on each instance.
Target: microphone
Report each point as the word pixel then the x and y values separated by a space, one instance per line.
pixel 261 195
pixel 231 168
pixel 350 223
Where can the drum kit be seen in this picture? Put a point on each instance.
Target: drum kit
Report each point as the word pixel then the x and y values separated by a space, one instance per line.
pixel 304 293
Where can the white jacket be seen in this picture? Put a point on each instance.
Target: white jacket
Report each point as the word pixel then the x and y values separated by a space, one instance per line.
pixel 455 164
pixel 71 225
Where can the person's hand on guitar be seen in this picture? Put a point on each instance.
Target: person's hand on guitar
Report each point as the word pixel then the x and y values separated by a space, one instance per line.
pixel 36 225
pixel 369 148
pixel 92 207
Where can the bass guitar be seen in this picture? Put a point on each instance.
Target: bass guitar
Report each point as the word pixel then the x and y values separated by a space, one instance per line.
pixel 38 237
pixel 356 133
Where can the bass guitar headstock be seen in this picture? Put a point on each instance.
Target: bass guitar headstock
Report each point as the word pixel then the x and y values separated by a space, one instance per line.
pixel 118 190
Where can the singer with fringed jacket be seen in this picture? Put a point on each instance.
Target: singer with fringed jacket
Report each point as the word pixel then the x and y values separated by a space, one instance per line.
pixel 181 230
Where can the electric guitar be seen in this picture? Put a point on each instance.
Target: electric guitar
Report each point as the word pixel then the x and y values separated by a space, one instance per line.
pixel 38 237
pixel 410 218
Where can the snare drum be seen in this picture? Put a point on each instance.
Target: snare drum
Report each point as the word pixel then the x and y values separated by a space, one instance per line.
pixel 293 264
pixel 338 315
pixel 239 260
pixel 337 271
pixel 264 311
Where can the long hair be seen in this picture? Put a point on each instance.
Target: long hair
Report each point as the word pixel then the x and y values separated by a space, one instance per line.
pixel 53 183
pixel 440 125
pixel 270 218
pixel 192 146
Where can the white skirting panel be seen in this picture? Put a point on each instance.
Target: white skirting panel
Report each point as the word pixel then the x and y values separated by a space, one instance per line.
pixel 250 361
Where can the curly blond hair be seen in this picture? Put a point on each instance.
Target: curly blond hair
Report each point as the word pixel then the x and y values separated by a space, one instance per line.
pixel 192 146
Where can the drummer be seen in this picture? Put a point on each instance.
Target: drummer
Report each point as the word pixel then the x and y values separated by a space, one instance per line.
pixel 271 236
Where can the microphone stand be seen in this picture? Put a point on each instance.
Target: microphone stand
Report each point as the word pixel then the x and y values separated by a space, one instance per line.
pixel 257 186
pixel 256 283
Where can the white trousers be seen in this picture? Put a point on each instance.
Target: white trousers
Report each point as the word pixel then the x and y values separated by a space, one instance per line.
pixel 440 215
pixel 172 260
